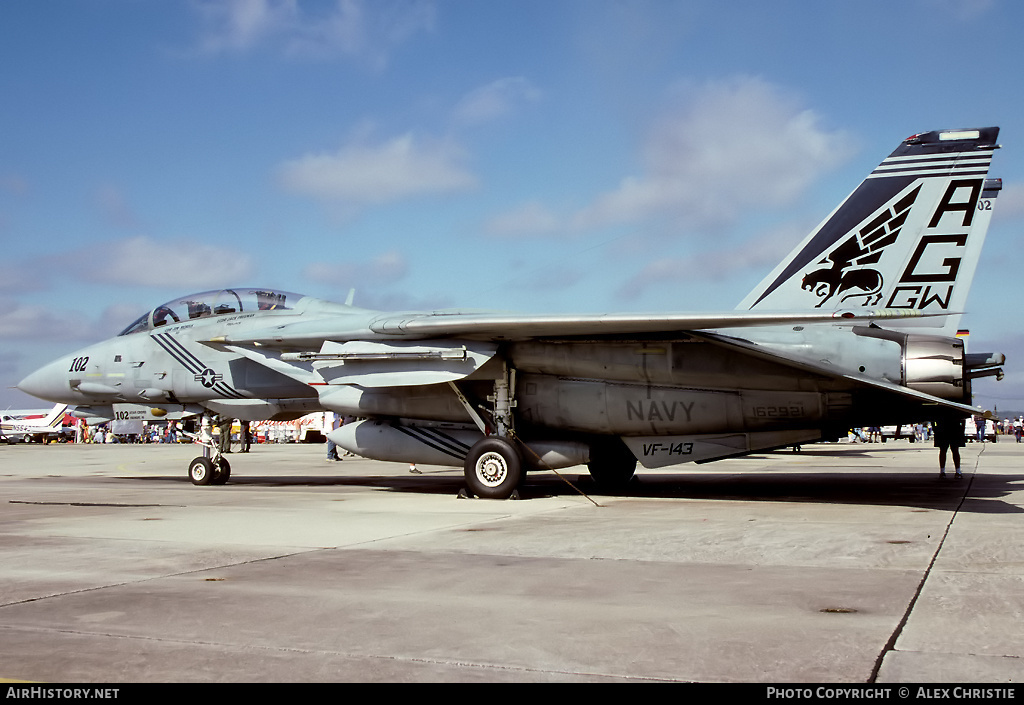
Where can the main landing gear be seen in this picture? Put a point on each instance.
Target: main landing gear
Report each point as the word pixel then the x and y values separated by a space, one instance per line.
pixel 211 468
pixel 494 468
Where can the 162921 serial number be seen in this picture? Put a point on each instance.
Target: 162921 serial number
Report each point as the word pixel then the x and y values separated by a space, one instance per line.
pixel 789 411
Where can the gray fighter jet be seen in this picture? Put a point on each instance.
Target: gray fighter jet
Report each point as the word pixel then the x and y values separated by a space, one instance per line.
pixel 856 327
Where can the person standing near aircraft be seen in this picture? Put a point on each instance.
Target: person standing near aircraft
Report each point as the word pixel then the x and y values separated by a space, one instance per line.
pixel 246 436
pixel 332 449
pixel 224 440
pixel 949 435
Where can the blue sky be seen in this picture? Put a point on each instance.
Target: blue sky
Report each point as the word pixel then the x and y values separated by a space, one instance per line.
pixel 536 156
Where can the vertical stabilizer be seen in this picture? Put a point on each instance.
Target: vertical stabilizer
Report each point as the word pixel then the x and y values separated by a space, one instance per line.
pixel 908 237
pixel 55 418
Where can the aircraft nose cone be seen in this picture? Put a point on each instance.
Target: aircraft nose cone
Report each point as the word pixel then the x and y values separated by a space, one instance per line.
pixel 49 382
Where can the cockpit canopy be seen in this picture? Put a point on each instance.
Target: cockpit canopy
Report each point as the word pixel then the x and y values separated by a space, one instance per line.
pixel 213 303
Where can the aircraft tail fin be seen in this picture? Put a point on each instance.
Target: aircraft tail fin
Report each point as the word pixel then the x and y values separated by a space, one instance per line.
pixel 56 416
pixel 908 237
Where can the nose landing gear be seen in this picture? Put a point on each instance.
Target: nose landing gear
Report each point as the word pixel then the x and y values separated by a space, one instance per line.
pixel 211 468
pixel 209 471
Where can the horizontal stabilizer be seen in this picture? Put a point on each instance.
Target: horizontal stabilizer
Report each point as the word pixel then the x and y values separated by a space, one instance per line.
pixel 831 371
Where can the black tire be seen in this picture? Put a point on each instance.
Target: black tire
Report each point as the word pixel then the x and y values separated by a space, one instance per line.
pixel 200 471
pixel 612 465
pixel 493 468
pixel 221 471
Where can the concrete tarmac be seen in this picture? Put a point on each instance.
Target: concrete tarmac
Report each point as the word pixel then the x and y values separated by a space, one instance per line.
pixel 843 563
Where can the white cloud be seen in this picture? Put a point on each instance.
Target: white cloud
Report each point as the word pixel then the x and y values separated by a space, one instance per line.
pixel 531 218
pixel 116 317
pixel 387 268
pixel 178 262
pixel 21 276
pixel 240 24
pixel 65 324
pixel 363 174
pixel 356 28
pixel 959 9
pixel 19 321
pixel 115 207
pixel 495 100
pixel 1009 204
pixel 729 146
pixel 725 149
pixel 761 253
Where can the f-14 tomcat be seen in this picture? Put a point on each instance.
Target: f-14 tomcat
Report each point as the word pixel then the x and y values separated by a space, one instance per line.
pixel 857 326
